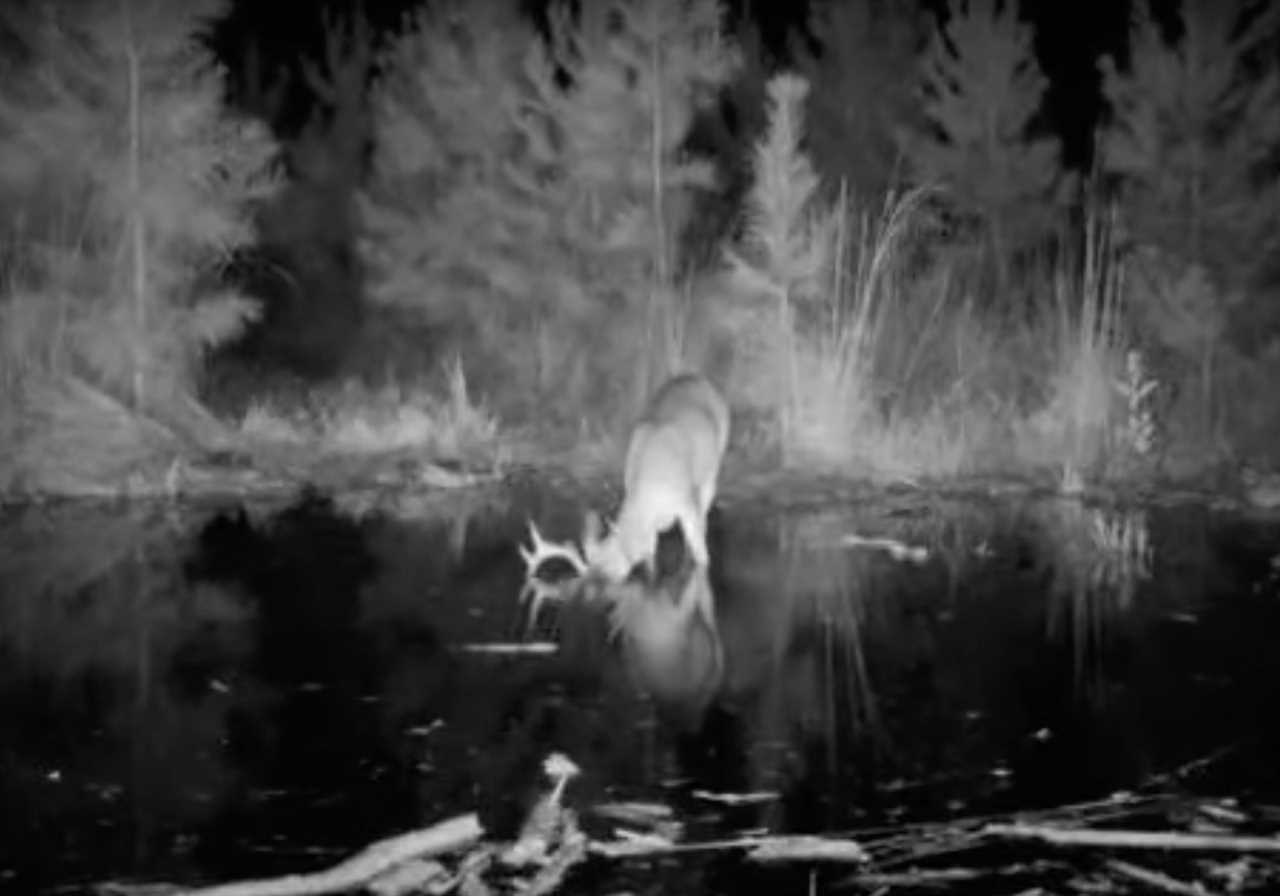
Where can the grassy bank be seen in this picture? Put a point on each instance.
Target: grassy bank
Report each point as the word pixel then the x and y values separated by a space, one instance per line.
pixel 894 371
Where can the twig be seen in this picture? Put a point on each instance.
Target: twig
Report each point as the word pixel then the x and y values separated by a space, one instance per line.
pixel 896 549
pixel 537 648
pixel 913 842
pixel 1200 763
pixel 914 878
pixel 936 877
pixel 805 848
pixel 1156 879
pixel 763 848
pixel 736 799
pixel 1133 839
pixel 645 847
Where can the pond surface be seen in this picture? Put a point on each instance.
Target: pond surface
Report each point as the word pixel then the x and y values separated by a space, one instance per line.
pixel 196 695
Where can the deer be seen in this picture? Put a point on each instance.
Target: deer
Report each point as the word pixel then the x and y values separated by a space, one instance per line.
pixel 667 631
pixel 670 475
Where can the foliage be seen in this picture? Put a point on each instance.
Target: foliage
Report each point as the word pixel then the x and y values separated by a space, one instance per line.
pixel 310 227
pixel 1098 419
pixel 1192 135
pixel 326 159
pixel 522 187
pixel 128 183
pixel 784 229
pixel 786 248
pixel 727 132
pixel 859 99
pixel 1190 144
pixel 358 421
pixel 981 92
pixel 813 356
pixel 445 113
pixel 1136 388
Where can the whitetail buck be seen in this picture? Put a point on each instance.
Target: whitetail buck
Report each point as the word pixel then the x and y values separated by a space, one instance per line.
pixel 672 466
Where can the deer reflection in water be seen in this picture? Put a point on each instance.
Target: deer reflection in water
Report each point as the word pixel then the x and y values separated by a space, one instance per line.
pixel 670 641
pixel 664 624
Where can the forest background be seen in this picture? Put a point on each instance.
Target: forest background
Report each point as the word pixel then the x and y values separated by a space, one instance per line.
pixel 479 233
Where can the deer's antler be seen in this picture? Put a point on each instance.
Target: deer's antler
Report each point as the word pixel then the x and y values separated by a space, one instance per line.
pixel 544 550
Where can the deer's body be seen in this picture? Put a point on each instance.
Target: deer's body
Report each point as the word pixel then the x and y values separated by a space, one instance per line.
pixel 671 643
pixel 670 475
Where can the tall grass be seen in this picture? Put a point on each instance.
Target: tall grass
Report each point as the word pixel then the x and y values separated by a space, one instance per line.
pixel 878 355
pixel 836 275
pixel 356 421
pixel 857 365
pixel 1096 414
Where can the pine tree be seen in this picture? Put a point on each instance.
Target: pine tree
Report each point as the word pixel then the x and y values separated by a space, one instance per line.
pixel 327 157
pixel 1191 143
pixel 1192 135
pixel 982 90
pixel 131 183
pixel 445 125
pixel 524 187
pixel 787 248
pixel 858 98
pixel 639 70
pixel 726 131
pixel 311 225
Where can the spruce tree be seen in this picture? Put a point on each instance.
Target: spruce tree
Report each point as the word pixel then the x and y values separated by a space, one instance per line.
pixel 529 192
pixel 982 91
pixel 858 98
pixel 311 226
pixel 639 71
pixel 1190 144
pixel 1192 134
pixel 445 110
pixel 129 183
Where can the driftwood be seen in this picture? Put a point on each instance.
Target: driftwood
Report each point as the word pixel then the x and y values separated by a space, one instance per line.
pixel 808 849
pixel 513 648
pixel 551 843
pixel 937 878
pixel 1129 839
pixel 353 873
pixel 554 844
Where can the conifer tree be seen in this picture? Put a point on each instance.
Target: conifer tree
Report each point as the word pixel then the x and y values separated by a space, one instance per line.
pixel 639 70
pixel 786 250
pixel 982 89
pixel 327 157
pixel 311 224
pixel 130 182
pixel 727 132
pixel 1191 143
pixel 445 109
pixel 858 97
pixel 1192 135
pixel 523 187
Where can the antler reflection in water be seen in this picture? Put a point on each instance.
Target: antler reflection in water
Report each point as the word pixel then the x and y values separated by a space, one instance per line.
pixel 537 591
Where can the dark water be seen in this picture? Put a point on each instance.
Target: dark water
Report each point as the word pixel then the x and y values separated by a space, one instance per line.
pixel 196 696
